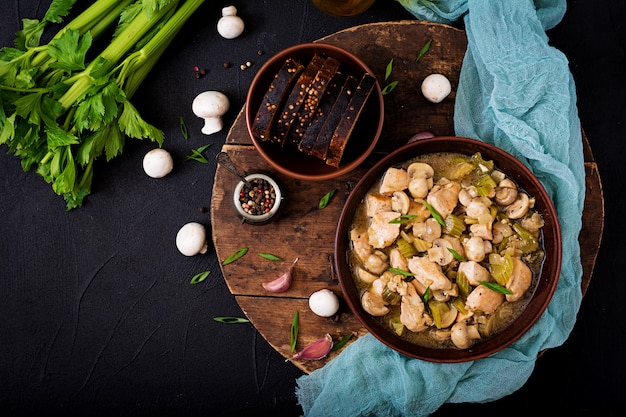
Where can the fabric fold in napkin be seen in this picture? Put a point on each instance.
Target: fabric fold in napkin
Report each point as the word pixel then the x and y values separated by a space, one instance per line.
pixel 515 91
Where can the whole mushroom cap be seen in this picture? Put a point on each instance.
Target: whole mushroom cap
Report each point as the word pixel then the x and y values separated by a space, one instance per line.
pixel 436 87
pixel 191 239
pixel 210 105
pixel 230 25
pixel 158 163
pixel 324 303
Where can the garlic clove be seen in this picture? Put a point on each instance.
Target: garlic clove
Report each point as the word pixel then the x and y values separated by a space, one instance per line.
pixel 282 283
pixel 316 350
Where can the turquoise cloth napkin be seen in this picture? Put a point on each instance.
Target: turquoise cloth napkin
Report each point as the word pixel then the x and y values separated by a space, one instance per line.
pixel 516 92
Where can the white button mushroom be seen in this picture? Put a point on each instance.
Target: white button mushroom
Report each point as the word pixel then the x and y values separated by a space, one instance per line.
pixel 211 106
pixel 436 87
pixel 230 25
pixel 191 239
pixel 158 163
pixel 324 303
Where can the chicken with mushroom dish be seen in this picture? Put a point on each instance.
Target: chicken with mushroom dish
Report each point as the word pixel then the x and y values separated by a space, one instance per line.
pixel 446 250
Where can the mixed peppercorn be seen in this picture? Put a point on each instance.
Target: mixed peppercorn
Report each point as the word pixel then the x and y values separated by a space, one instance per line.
pixel 257 197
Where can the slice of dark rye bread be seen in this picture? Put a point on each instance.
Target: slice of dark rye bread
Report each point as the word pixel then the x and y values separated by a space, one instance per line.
pixel 294 101
pixel 312 100
pixel 322 141
pixel 322 112
pixel 344 129
pixel 274 97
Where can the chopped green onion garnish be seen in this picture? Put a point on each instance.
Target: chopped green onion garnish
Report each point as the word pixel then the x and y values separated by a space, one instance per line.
pixel 270 257
pixel 199 277
pixel 495 287
pixel 183 128
pixel 434 213
pixel 293 333
pixel 342 342
pixel 389 87
pixel 426 295
pixel 196 154
pixel 405 218
pixel 423 51
pixel 457 255
pixel 400 272
pixel 235 255
pixel 231 320
pixel 388 69
pixel 326 199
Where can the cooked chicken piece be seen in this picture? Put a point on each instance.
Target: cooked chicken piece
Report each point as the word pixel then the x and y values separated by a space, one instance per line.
pixel 419 287
pixel 520 280
pixel 429 274
pixel 379 285
pixel 397 260
pixel 444 196
pixel 474 272
pixel 418 209
pixel 483 299
pixel 482 230
pixel 374 261
pixel 395 179
pixel 382 233
pixel 412 312
pixel 375 203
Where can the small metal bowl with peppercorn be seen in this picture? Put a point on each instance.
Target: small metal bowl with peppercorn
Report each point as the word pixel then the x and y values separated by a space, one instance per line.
pixel 258 199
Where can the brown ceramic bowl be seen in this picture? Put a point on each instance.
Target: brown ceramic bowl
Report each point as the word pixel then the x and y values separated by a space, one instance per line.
pixel 549 272
pixel 290 161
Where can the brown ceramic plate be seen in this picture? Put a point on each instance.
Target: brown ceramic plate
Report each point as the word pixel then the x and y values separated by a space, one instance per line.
pixel 549 273
pixel 290 161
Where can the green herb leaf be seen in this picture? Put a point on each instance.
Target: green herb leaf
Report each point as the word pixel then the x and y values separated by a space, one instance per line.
pixel 433 212
pixel 183 128
pixel 199 277
pixel 196 154
pixel 405 218
pixel 457 255
pixel 400 272
pixel 270 257
pixel 426 295
pixel 423 51
pixel 342 342
pixel 389 87
pixel 326 199
pixel 231 320
pixel 495 287
pixel 388 69
pixel 293 332
pixel 69 50
pixel 235 255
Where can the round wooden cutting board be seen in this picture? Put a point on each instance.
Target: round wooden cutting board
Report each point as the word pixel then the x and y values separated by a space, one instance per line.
pixel 303 231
